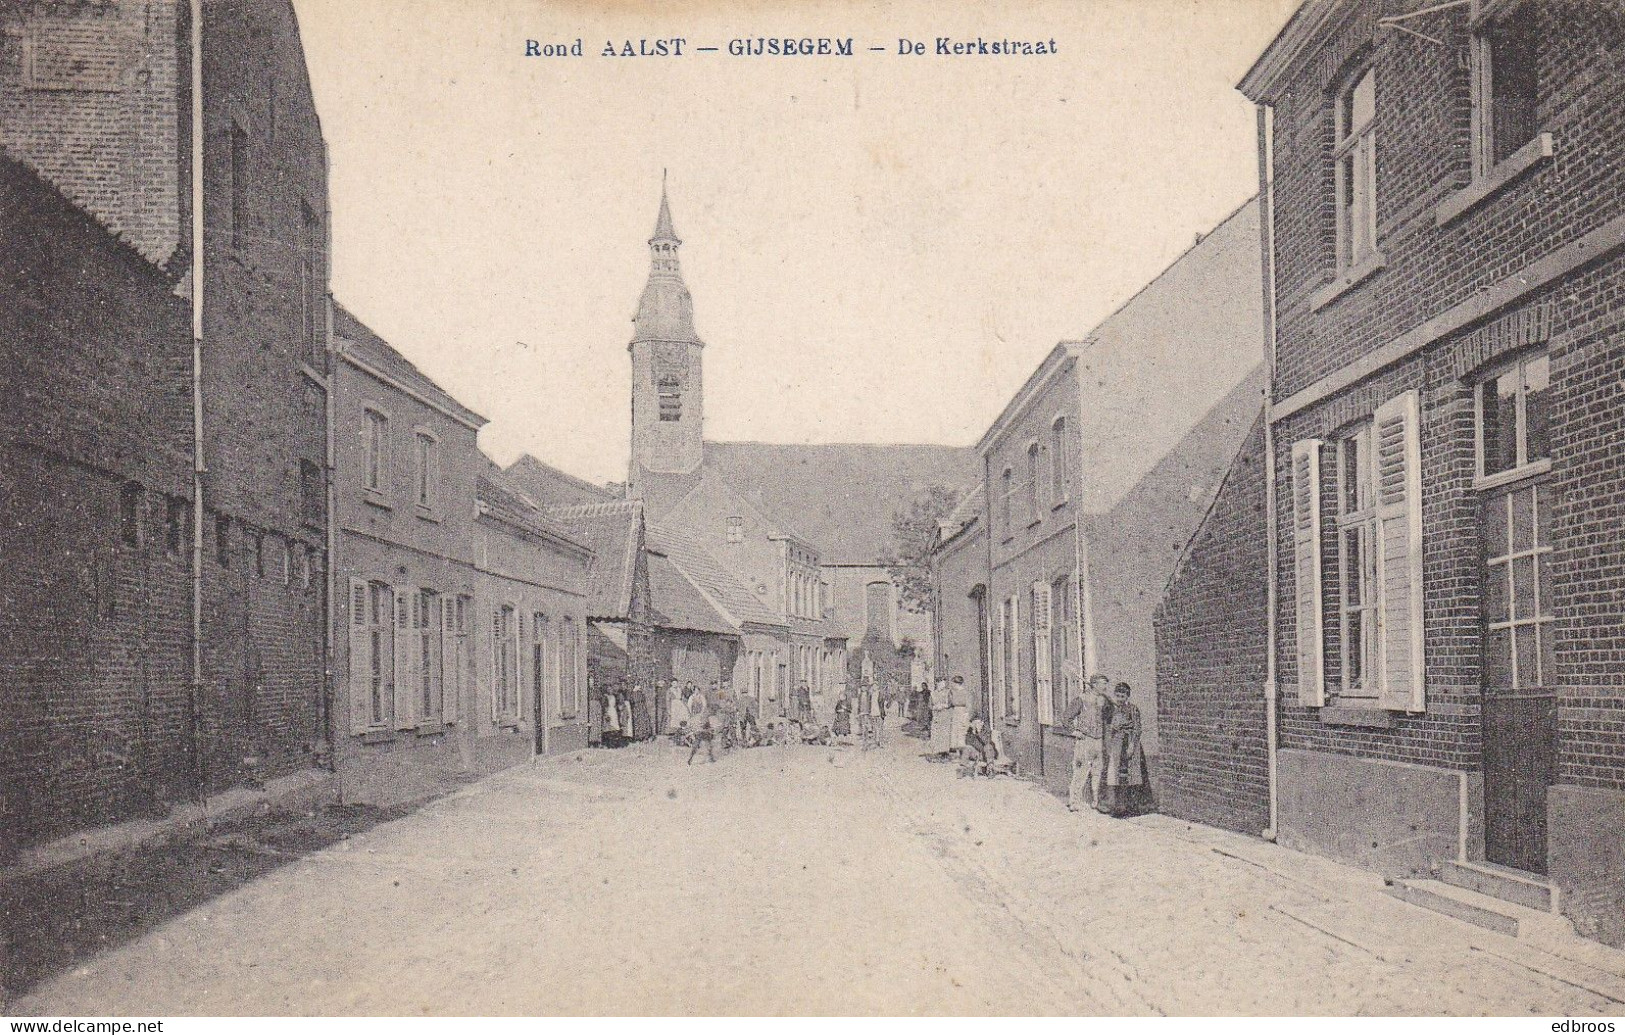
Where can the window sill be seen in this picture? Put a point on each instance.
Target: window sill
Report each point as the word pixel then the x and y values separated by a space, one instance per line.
pixel 314 375
pixel 1058 504
pixel 1347 280
pixel 427 513
pixel 1034 523
pixel 508 724
pixel 433 729
pixel 376 737
pixel 1007 540
pixel 376 499
pixel 1362 715
pixel 1537 152
pixel 1517 474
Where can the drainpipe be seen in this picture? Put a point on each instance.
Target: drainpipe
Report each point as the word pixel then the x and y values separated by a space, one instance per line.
pixel 1266 237
pixel 329 720
pixel 198 469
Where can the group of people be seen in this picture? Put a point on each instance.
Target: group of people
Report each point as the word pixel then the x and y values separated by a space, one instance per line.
pixel 1108 764
pixel 627 716
pixel 870 706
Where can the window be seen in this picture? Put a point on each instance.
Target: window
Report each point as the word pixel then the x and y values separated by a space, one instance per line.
pixel 569 673
pixel 1039 646
pixel 1060 459
pixel 1506 85
pixel 380 646
pixel 428 659
pixel 312 494
pixel 670 392
pixel 505 664
pixel 1356 157
pixel 281 566
pixel 428 470
pixel 1064 668
pixel 1009 637
pixel 239 183
pixel 175 526
pixel 736 530
pixel 1357 565
pixel 129 514
pixel 375 468
pixel 1519 651
pixel 1007 491
pixel 1514 418
pixel 222 540
pixel 1034 493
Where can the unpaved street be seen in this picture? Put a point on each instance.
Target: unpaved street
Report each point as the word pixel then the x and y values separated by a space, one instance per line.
pixel 806 880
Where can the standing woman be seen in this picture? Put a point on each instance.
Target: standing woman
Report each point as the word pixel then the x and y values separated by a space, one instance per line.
pixel 643 720
pixel 676 707
pixel 1128 784
pixel 612 721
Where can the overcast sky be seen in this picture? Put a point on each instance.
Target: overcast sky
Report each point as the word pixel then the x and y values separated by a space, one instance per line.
pixel 880 248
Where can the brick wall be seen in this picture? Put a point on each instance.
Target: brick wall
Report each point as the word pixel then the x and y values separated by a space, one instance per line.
pixel 94 630
pixel 1211 653
pixel 262 415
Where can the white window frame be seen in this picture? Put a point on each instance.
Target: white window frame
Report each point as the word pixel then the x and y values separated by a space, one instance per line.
pixel 1486 16
pixel 1356 524
pixel 736 529
pixel 1035 466
pixel 1007 486
pixel 426 468
pixel 1355 147
pixel 1060 461
pixel 1523 467
pixel 375 444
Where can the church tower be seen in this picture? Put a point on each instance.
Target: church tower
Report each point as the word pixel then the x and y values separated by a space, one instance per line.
pixel 668 401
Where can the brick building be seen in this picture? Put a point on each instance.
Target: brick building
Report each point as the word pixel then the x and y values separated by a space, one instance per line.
pixel 96 100
pixel 1094 477
pixel 1212 647
pixel 1448 448
pixel 435 676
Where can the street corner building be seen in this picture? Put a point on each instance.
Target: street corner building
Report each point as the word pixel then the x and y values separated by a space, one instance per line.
pixel 1445 450
pixel 801 531
pixel 464 608
pixel 1093 480
pixel 163 634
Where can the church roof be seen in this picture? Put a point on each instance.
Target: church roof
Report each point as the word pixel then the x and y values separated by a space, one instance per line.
pixel 611 529
pixel 839 497
pixel 663 228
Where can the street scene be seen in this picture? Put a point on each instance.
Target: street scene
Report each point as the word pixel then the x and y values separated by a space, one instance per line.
pixel 811 880
pixel 1035 508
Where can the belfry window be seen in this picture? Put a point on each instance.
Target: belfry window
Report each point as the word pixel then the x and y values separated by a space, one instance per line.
pixel 670 390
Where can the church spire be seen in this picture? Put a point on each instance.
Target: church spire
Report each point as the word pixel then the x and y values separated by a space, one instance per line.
pixel 666 311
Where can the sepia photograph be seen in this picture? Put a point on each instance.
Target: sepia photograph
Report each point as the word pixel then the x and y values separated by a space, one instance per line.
pixel 840 508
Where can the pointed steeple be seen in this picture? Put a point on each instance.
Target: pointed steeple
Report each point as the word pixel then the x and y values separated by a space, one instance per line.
pixel 666 310
pixel 663 227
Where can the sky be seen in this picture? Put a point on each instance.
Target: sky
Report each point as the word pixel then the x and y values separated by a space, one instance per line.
pixel 881 248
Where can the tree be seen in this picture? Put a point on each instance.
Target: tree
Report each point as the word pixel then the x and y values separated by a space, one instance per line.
pixel 914 533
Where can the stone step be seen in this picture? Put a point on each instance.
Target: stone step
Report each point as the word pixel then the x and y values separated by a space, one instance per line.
pixel 1459 903
pixel 1502 882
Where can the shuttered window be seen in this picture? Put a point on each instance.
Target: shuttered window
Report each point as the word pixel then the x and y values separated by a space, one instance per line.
pixel 408 616
pixel 1306 571
pixel 1043 676
pixel 504 664
pixel 1359 637
pixel 1397 441
pixel 372 655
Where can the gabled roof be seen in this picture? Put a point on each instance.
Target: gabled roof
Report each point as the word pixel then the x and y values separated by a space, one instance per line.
pixel 723 590
pixel 357 341
pixel 497 501
pixel 612 529
pixel 679 603
pixel 841 497
pixel 550 487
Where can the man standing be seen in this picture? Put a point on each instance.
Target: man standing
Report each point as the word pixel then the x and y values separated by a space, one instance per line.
pixel 941 718
pixel 1086 719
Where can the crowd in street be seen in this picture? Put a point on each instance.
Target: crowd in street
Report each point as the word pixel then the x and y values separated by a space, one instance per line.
pixel 1109 772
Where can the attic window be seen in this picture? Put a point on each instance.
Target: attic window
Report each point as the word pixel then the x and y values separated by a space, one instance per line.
pixel 736 530
pixel 670 391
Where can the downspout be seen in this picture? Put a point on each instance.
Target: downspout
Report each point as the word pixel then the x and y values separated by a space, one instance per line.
pixel 330 676
pixel 1266 236
pixel 200 764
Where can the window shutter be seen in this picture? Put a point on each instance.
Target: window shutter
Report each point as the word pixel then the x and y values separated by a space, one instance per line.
pixel 496 664
pixel 1015 656
pixel 406 686
pixel 998 666
pixel 1398 457
pixel 1042 675
pixel 1306 571
pixel 360 688
pixel 451 659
